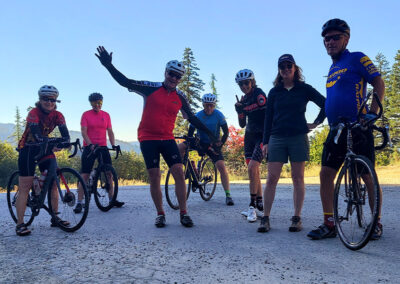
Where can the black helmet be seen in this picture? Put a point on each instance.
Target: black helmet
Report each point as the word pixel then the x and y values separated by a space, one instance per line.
pixel 95 97
pixel 337 25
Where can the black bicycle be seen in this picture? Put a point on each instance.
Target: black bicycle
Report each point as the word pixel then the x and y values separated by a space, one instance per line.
pixel 203 177
pixel 65 179
pixel 357 192
pixel 103 180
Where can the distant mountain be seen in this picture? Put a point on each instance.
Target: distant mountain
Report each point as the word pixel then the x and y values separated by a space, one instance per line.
pixel 7 129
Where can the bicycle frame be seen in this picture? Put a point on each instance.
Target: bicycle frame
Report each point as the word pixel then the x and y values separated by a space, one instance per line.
pixel 52 173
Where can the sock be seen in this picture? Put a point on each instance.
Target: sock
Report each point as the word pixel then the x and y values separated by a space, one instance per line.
pixel 183 212
pixel 260 204
pixel 328 220
pixel 228 193
pixel 80 202
pixel 161 213
pixel 253 200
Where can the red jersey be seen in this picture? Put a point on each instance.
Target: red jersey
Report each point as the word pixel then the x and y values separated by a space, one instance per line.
pixel 46 122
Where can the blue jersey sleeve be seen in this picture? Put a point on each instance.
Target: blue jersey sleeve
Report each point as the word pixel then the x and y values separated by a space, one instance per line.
pixel 365 66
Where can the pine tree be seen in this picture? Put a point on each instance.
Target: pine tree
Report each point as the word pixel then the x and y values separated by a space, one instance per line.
pixel 214 88
pixel 393 112
pixel 192 86
pixel 18 126
pixel 383 156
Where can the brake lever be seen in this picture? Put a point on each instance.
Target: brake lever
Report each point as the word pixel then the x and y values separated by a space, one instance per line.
pixel 340 129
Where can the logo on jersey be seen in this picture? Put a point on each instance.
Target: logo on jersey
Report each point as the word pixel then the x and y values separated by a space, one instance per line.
pixel 334 77
pixel 261 100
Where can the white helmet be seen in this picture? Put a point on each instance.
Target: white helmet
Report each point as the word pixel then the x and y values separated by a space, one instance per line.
pixel 209 98
pixel 176 66
pixel 245 74
pixel 48 91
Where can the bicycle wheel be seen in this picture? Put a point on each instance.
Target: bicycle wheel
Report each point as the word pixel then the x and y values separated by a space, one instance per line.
pixel 356 206
pixel 67 181
pixel 105 189
pixel 12 195
pixel 170 193
pixel 208 179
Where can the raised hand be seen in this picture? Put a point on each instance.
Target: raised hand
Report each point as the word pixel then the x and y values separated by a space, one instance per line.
pixel 104 57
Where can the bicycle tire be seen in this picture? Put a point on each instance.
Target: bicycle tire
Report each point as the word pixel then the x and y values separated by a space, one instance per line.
pixel 170 194
pixel 208 179
pixel 12 194
pixel 101 187
pixel 354 222
pixel 68 178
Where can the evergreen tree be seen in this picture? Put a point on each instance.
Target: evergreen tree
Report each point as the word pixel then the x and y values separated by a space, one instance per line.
pixel 213 87
pixel 18 128
pixel 393 112
pixel 383 156
pixel 192 86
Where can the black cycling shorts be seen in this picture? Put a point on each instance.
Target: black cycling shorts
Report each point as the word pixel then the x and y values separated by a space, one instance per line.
pixel 203 149
pixel 26 161
pixel 333 155
pixel 253 146
pixel 151 150
pixel 87 161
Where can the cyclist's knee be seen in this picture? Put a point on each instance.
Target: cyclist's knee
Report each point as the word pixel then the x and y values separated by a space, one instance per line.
pixel 327 174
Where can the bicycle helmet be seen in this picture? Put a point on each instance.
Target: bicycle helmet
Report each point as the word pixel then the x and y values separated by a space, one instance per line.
pixel 209 98
pixel 245 74
pixel 337 25
pixel 95 97
pixel 176 66
pixel 48 91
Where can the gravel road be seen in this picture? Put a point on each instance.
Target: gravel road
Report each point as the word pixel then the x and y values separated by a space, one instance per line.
pixel 123 245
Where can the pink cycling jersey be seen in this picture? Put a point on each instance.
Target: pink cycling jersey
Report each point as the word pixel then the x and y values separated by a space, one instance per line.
pixel 97 124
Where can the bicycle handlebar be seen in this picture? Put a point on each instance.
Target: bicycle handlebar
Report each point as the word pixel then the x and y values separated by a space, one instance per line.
pixel 116 148
pixel 365 124
pixel 55 142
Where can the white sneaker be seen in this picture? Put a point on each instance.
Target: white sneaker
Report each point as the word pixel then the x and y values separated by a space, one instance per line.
pixel 252 216
pixel 245 213
pixel 259 213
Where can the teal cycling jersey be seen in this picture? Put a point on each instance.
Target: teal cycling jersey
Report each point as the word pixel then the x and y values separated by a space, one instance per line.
pixel 213 122
pixel 347 84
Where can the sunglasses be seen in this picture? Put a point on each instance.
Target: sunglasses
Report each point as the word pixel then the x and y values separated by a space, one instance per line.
pixel 334 37
pixel 48 100
pixel 208 105
pixel 286 66
pixel 174 75
pixel 244 83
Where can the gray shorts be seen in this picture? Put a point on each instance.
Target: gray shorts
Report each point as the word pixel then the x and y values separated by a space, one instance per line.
pixel 295 147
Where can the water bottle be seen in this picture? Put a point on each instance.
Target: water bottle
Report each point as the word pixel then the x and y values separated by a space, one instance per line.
pixel 42 178
pixel 36 186
pixel 91 177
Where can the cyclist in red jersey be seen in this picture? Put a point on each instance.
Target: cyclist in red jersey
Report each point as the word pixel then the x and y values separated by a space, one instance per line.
pixel 162 102
pixel 95 125
pixel 40 122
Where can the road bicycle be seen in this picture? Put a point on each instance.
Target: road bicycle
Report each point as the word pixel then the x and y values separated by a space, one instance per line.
pixel 65 179
pixel 357 195
pixel 203 177
pixel 103 179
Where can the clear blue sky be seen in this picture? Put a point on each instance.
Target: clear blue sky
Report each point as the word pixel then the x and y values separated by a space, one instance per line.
pixel 53 42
